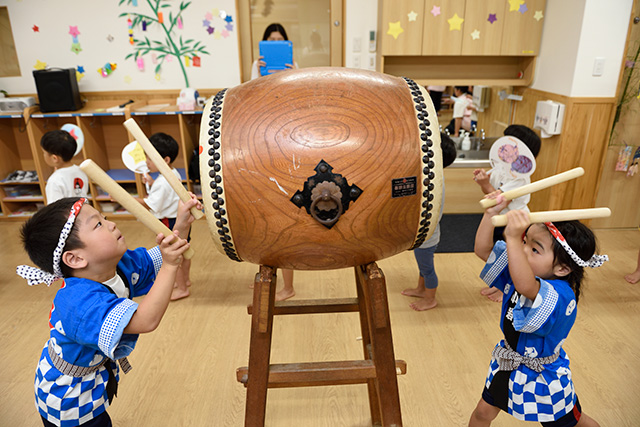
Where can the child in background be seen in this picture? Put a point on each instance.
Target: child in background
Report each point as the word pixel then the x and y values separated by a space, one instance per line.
pixel 539 269
pixel 464 112
pixel 489 184
pixel 162 201
pixel 428 280
pixel 635 276
pixel 68 180
pixel 93 320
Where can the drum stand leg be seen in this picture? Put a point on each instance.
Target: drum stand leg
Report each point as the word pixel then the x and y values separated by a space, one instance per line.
pixel 378 369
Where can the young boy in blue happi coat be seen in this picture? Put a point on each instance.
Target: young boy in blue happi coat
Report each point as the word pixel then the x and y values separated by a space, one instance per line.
pixel 94 321
pixel 539 269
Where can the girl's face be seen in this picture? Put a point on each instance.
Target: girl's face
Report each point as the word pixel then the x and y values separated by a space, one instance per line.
pixel 538 247
pixel 275 37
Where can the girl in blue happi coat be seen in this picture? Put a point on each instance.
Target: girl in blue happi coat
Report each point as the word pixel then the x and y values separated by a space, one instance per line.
pixel 539 268
pixel 93 320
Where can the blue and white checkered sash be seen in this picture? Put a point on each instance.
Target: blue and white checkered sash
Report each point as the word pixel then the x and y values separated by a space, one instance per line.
pixel 80 371
pixel 509 359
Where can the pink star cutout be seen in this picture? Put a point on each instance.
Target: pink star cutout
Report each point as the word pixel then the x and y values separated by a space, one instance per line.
pixel 73 30
pixel 436 10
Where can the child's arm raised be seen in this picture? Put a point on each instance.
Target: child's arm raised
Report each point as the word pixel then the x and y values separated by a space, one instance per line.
pixel 482 179
pixel 150 311
pixel 484 234
pixel 521 274
pixel 184 218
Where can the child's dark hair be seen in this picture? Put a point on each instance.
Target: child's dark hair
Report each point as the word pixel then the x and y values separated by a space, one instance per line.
pixel 526 135
pixel 448 148
pixel 463 89
pixel 60 143
pixel 583 242
pixel 165 145
pixel 40 234
pixel 273 28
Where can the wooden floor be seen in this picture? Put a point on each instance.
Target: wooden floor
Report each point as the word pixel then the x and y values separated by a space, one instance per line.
pixel 184 373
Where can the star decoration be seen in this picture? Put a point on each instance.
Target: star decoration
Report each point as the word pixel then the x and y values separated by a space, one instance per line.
pixel 79 76
pixel 412 16
pixel 475 35
pixel 210 30
pixel 228 18
pixel 514 5
pixel 157 76
pixel 208 16
pixel 538 15
pixel 40 65
pixel 455 22
pixel 127 79
pixel 75 48
pixel 492 18
pixel 73 30
pixel 395 29
pixel 217 35
pixel 435 11
pixel 206 23
pixel 523 8
pixel 225 33
pixel 229 27
pixel 80 69
pixel 35 29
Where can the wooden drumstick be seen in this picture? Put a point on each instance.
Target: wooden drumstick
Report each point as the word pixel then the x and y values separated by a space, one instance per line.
pixel 563 215
pixel 163 168
pixel 534 186
pixel 119 194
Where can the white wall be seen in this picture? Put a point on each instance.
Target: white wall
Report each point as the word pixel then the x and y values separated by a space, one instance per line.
pixel 575 33
pixel 361 16
pixel 96 21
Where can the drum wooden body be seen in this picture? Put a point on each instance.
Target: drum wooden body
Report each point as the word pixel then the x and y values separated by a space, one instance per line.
pixel 267 145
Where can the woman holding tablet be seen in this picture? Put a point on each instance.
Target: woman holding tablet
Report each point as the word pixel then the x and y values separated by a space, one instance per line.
pixel 274 32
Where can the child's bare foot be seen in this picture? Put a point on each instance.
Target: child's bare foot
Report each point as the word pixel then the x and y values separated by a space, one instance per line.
pixel 285 293
pixel 188 283
pixel 493 294
pixel 414 292
pixel 633 277
pixel 179 294
pixel 423 304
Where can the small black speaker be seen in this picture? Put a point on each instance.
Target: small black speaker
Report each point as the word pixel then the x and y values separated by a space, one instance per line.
pixel 57 89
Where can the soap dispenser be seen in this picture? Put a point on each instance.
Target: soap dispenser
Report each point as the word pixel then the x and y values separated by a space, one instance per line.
pixel 466 143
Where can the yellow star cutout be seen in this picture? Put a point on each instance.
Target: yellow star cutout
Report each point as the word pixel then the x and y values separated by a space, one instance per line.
pixel 538 15
pixel 475 35
pixel 40 65
pixel 395 29
pixel 455 23
pixel 79 75
pixel 128 79
pixel 412 16
pixel 514 5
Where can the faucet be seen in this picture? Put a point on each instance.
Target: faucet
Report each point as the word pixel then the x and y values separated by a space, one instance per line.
pixel 480 142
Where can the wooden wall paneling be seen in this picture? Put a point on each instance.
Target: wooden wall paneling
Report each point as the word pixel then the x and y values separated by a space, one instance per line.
pixel 9 145
pixel 437 39
pixel 618 192
pixel 489 33
pixel 409 41
pixel 522 32
pixel 496 116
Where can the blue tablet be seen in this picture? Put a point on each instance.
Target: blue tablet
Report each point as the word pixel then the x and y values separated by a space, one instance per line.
pixel 275 54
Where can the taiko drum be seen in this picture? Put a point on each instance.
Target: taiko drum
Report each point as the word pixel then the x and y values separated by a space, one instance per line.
pixel 320 168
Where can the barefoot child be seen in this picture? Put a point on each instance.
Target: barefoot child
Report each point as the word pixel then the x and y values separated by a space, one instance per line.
pixel 162 201
pixel 635 276
pixel 93 320
pixel 539 269
pixel 428 280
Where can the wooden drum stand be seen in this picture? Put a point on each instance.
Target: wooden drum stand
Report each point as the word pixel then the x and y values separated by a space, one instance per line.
pixel 378 369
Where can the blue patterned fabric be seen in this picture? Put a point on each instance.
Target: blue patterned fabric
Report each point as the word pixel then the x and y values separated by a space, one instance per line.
pixel 535 328
pixel 86 322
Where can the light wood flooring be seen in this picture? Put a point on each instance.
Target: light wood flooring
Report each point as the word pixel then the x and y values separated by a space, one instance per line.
pixel 184 372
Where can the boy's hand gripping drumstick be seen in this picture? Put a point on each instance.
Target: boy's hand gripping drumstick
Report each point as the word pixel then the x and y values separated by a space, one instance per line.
pixel 534 186
pixel 120 195
pixel 163 168
pixel 563 215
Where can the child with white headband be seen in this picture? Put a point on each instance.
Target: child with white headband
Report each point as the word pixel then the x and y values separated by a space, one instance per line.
pixel 93 320
pixel 539 269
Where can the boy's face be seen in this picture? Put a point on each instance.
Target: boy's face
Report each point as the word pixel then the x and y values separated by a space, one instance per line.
pixel 104 243
pixel 48 158
pixel 152 166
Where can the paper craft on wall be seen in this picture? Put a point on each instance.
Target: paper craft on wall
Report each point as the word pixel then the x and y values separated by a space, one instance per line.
pixel 435 10
pixel 395 29
pixel 455 23
pixel 633 169
pixel 624 156
pixel 170 45
pixel 511 158
pixel 77 134
pixel 107 69
pixel 75 44
pixel 492 18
